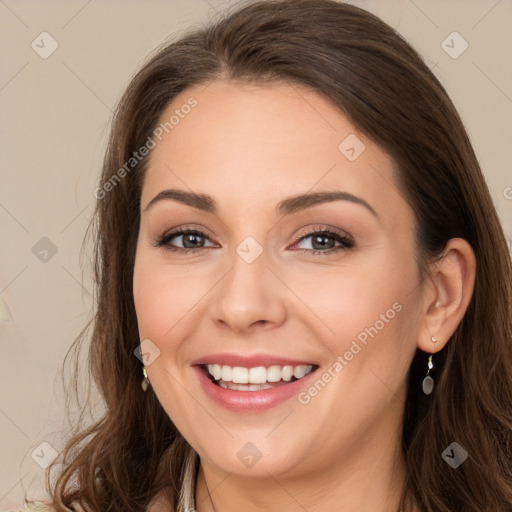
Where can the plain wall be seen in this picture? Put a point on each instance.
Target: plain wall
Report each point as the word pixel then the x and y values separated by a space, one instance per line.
pixel 54 119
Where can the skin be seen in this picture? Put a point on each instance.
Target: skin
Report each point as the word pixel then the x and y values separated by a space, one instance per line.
pixel 249 147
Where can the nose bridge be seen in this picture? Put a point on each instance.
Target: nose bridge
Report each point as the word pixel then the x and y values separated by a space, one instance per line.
pixel 249 293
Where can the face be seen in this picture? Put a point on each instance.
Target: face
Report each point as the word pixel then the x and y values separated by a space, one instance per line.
pixel 261 283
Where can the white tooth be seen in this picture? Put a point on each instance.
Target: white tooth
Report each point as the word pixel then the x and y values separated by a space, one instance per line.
pixel 217 371
pixel 258 375
pixel 226 373
pixel 300 371
pixel 245 387
pixel 238 387
pixel 274 373
pixel 240 375
pixel 287 373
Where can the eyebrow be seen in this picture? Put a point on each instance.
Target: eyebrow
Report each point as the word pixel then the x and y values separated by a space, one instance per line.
pixel 287 206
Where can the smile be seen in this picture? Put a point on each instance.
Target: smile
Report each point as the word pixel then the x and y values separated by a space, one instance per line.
pixel 257 378
pixel 251 388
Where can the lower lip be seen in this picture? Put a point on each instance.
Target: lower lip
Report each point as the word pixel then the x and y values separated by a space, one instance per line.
pixel 250 401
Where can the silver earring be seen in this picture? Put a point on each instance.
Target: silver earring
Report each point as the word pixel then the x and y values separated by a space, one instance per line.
pixel 145 380
pixel 428 381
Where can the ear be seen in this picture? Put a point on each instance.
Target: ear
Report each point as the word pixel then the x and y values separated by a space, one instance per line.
pixel 447 294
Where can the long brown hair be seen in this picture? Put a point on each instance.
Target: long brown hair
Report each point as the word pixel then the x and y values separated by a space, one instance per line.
pixel 366 69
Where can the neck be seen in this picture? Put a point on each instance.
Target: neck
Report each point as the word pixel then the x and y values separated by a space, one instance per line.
pixel 370 475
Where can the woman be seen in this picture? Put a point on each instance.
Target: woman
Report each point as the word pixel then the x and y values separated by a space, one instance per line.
pixel 298 254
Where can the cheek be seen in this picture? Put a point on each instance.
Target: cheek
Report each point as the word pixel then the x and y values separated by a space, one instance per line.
pixel 349 299
pixel 368 316
pixel 149 296
pixel 166 301
pixel 159 299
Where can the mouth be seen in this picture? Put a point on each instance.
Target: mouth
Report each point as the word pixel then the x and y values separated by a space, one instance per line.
pixel 258 378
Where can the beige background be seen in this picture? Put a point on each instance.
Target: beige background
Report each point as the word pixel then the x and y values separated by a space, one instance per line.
pixel 54 118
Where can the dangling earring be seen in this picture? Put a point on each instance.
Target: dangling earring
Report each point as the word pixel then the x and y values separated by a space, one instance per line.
pixel 428 381
pixel 145 380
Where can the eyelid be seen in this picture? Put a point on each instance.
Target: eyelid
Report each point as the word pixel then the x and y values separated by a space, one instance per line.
pixel 164 239
pixel 178 230
pixel 345 239
pixel 344 243
pixel 321 228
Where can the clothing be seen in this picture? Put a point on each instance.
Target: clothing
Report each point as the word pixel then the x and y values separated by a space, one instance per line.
pixel 34 506
pixel 41 506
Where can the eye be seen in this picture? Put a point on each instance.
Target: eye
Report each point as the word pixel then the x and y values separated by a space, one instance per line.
pixel 316 241
pixel 192 240
pixel 322 241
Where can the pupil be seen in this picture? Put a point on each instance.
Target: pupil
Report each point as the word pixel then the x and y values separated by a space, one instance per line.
pixel 192 237
pixel 321 240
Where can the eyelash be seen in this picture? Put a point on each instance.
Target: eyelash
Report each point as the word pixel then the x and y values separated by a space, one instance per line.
pixel 346 241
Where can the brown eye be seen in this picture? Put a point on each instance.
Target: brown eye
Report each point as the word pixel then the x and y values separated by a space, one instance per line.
pixel 324 241
pixel 184 240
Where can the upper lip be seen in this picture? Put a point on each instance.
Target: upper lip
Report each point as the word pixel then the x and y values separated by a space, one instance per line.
pixel 248 361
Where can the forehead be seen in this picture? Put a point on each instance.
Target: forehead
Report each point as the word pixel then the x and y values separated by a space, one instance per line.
pixel 265 142
pixel 235 120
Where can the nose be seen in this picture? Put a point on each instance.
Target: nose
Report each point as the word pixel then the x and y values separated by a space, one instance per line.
pixel 249 298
